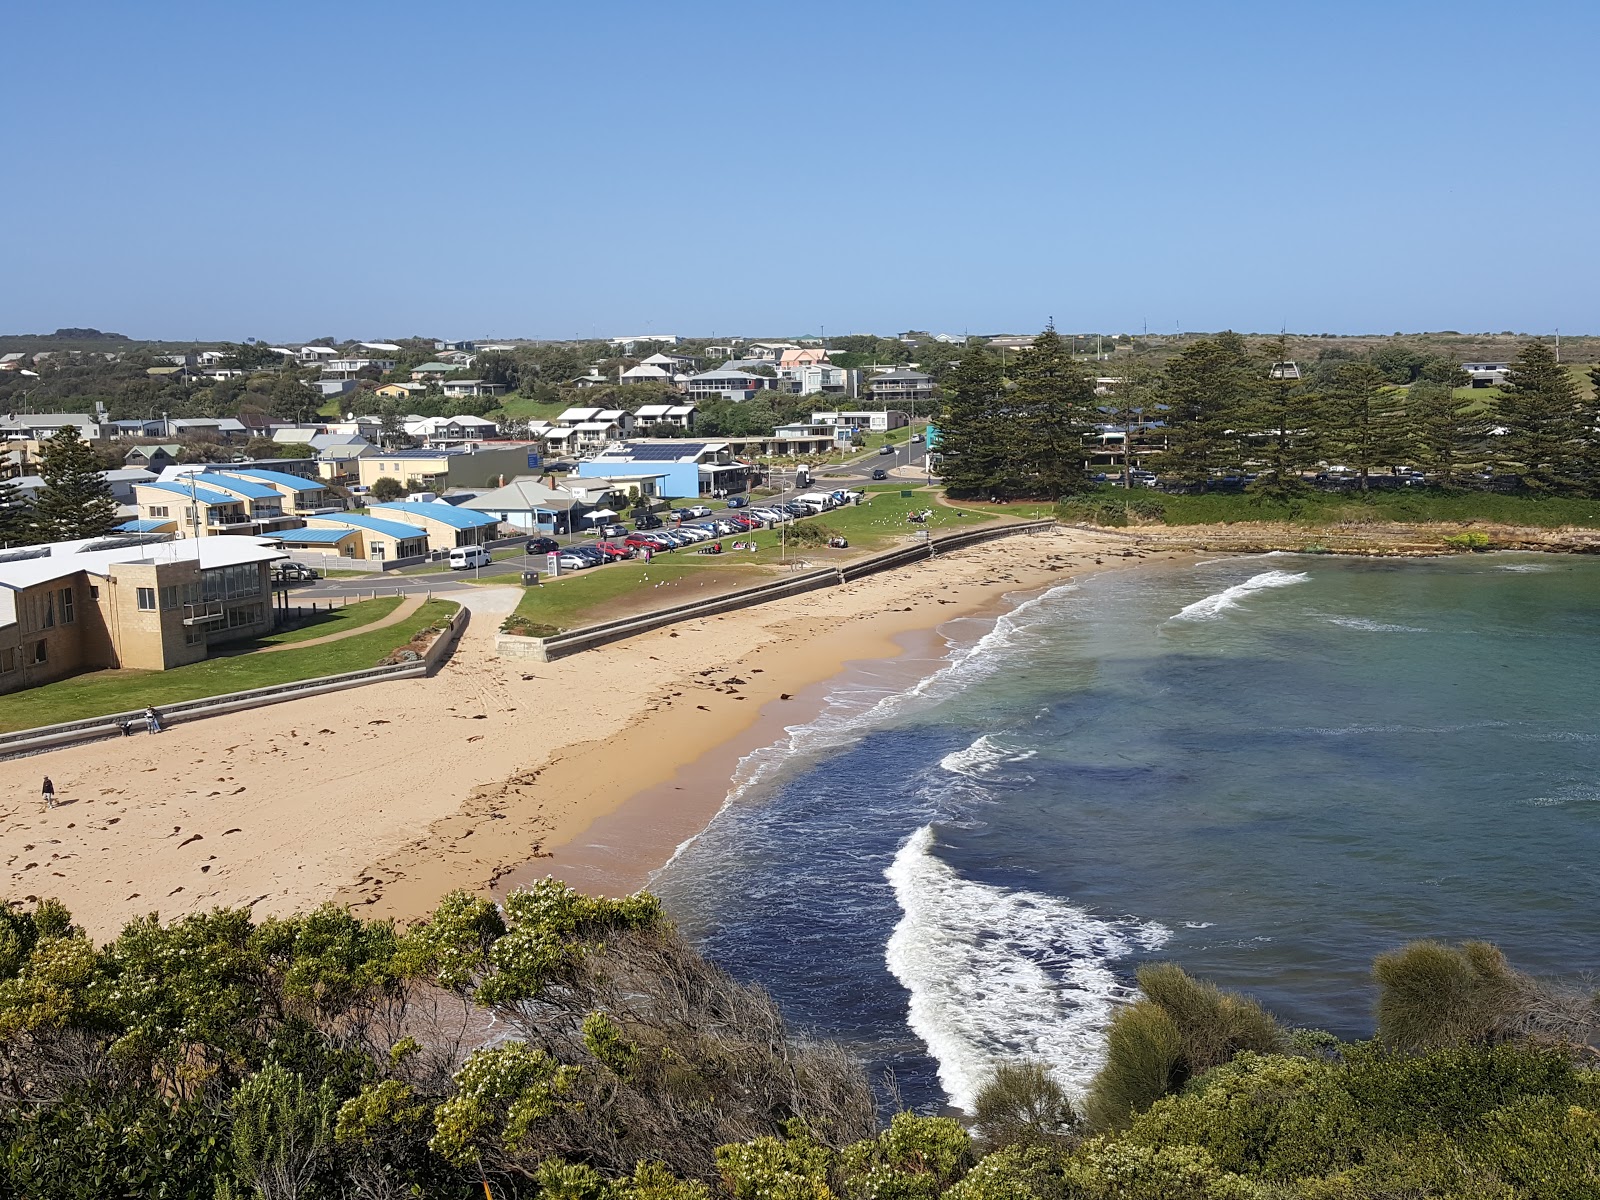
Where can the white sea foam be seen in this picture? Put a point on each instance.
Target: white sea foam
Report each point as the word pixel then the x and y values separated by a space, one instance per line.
pixel 1214 606
pixel 996 974
pixel 1524 567
pixel 983 759
pixel 1371 626
pixel 853 709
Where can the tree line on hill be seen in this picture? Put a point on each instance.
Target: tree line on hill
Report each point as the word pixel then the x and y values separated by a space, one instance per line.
pixel 1221 410
pixel 578 1048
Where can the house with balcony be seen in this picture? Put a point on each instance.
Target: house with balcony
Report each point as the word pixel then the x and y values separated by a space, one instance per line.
pixel 867 421
pixel 451 431
pixel 318 354
pixel 900 385
pixel 351 368
pixel 191 509
pixel 444 467
pixel 129 603
pixel 458 388
pixel 680 416
pixel 263 504
pixel 301 497
pixel 728 384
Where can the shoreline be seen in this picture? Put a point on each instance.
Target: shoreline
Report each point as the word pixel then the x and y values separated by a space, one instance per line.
pixel 385 798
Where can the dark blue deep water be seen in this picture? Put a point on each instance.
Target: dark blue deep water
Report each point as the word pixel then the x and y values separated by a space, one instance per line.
pixel 1265 769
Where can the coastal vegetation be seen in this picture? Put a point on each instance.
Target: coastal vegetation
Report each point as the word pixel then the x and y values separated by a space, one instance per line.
pixel 1412 505
pixel 578 1048
pixel 1224 417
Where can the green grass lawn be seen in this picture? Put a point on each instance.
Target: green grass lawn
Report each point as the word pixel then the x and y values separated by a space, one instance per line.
pixel 567 602
pixel 100 692
pixel 881 519
pixel 1408 505
pixel 339 620
pixel 517 408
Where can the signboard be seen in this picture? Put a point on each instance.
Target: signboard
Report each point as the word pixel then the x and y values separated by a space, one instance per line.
pixel 533 461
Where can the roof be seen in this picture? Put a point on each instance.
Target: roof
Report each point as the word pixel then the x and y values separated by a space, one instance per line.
pixel 281 478
pixel 320 536
pixel 64 558
pixel 201 495
pixel 445 514
pixel 663 452
pixel 434 366
pixel 522 493
pixel 899 373
pixel 394 529
pixel 245 487
pixel 169 448
pixel 146 526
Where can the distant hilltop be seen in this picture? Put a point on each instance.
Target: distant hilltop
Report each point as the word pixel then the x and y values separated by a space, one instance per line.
pixel 77 335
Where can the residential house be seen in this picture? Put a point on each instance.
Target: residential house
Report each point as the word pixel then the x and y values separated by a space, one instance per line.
pixel 532 505
pixel 678 364
pixel 687 468
pixel 679 415
pixel 768 351
pixel 380 348
pixel 458 388
pixel 14 361
pixel 875 422
pixel 205 429
pixel 120 482
pixel 626 344
pixel 446 525
pixel 814 378
pixel 351 368
pixel 430 372
pixel 901 385
pixel 337 455
pixel 400 391
pixel 36 427
pixel 263 504
pixel 133 603
pixel 192 509
pixel 297 435
pixel 951 339
pixel 318 354
pixel 461 347
pixel 333 387
pixel 451 431
pixel 801 356
pixel 459 359
pixel 647 373
pixel 1012 342
pixel 592 379
pixel 1487 374
pixel 301 496
pixel 732 385
pixel 357 535
pixel 153 458
pixel 443 467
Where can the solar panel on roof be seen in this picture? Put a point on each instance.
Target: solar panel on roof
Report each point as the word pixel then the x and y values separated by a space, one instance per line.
pixel 665 453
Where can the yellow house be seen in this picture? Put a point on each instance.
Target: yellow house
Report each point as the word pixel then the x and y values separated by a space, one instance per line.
pixel 446 525
pixel 354 535
pixel 196 510
pixel 447 467
pixel 301 497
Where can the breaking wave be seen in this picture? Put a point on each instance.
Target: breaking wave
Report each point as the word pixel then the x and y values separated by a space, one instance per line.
pixel 1371 626
pixel 996 974
pixel 1215 605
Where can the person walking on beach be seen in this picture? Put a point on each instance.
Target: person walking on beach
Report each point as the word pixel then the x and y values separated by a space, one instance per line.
pixel 152 720
pixel 48 792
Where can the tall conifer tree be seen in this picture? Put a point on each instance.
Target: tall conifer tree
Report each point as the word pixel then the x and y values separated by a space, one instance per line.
pixel 1053 403
pixel 16 517
pixel 1281 417
pixel 1211 386
pixel 1365 419
pixel 75 501
pixel 1544 418
pixel 974 441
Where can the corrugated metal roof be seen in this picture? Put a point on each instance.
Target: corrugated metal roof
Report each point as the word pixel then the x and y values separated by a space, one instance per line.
pixel 308 536
pixel 202 495
pixel 279 477
pixel 445 514
pixel 147 526
pixel 245 487
pixel 394 529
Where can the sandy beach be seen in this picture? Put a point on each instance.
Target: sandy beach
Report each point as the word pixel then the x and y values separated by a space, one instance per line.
pixel 386 797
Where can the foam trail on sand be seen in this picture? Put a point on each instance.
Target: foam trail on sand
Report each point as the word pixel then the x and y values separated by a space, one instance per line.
pixel 1214 606
pixel 996 974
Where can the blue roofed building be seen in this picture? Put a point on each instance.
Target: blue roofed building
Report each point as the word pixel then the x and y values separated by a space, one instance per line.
pixel 686 468
pixel 191 509
pixel 301 497
pixel 446 525
pixel 367 537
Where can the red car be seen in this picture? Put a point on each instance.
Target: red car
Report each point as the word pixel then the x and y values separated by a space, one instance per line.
pixel 614 550
pixel 638 541
pixel 745 522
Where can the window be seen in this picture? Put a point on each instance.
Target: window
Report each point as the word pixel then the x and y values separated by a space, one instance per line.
pixel 245 614
pixel 66 606
pixel 147 599
pixel 159 510
pixel 47 615
pixel 40 652
pixel 8 659
pixel 375 549
pixel 194 635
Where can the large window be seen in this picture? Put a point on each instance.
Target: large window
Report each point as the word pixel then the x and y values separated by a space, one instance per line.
pixel 66 606
pixel 245 614
pixel 159 510
pixel 147 600
pixel 40 652
pixel 226 583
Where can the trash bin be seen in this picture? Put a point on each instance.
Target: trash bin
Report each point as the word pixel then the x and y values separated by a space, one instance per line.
pixel 529 578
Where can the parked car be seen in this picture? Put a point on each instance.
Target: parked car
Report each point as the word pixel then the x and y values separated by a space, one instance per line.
pixel 465 558
pixel 573 561
pixel 639 541
pixel 293 572
pixel 541 545
pixel 646 520
pixel 615 550
pixel 885 449
pixel 880 473
pixel 612 530
pixel 699 510
pixel 737 502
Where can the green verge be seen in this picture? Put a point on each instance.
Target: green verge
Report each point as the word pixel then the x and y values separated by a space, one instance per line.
pixel 1403 506
pixel 339 620
pixel 881 518
pixel 100 692
pixel 565 603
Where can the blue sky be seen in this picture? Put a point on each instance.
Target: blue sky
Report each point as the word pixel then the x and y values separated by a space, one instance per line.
pixel 288 170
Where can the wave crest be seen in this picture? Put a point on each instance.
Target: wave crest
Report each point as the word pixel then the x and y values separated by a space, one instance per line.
pixel 1215 605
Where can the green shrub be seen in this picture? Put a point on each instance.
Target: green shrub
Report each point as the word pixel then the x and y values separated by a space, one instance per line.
pixel 1022 1103
pixel 1472 539
pixel 1430 994
pixel 1144 1061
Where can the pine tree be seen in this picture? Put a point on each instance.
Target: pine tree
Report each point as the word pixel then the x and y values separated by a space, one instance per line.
pixel 1365 420
pixel 1546 440
pixel 16 517
pixel 1282 418
pixel 1444 436
pixel 75 501
pixel 1211 385
pixel 1053 407
pixel 974 446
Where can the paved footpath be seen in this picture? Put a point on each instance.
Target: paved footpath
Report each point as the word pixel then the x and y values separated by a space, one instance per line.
pixel 407 606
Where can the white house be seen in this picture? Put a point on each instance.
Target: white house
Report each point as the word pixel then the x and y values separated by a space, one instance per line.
pixel 316 354
pixel 349 368
pixel 680 415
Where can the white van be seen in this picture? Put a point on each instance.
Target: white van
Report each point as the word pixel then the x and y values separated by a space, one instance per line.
pixel 464 557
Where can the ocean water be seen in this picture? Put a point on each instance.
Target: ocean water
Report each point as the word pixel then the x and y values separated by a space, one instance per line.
pixel 1266 769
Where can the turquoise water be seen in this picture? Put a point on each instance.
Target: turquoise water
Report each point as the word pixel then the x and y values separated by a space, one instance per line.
pixel 1267 769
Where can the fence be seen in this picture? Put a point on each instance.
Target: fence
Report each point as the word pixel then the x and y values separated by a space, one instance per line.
pixel 590 636
pixel 49 737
